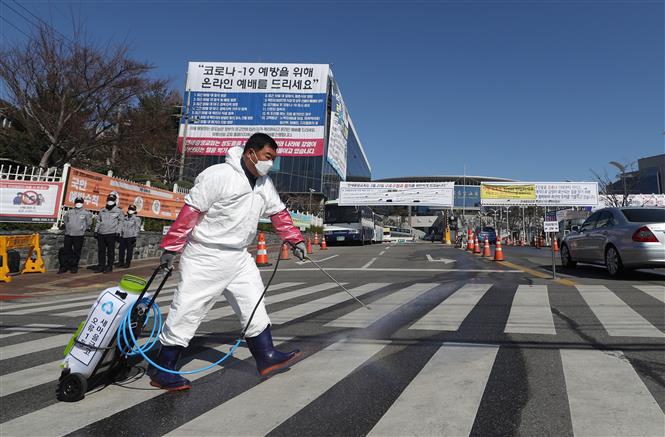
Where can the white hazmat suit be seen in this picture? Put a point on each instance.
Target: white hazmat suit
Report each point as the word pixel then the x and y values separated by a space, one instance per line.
pixel 215 259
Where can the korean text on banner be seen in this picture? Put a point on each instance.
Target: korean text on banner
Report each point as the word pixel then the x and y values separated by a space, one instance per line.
pixel 229 101
pixel 396 193
pixel 25 201
pixel 518 193
pixel 94 188
pixel 539 193
pixel 339 132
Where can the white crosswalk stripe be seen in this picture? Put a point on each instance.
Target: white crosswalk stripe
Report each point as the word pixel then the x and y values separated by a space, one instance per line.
pixel 28 347
pixel 616 316
pixel 4 306
pixel 63 418
pixel 655 291
pixel 297 311
pixel 445 395
pixel 449 314
pixel 312 376
pixel 33 327
pixel 362 318
pixel 531 312
pixel 218 313
pixel 607 397
pixel 163 297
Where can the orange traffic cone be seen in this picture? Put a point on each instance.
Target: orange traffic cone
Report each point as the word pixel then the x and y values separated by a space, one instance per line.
pixel 261 251
pixel 309 246
pixel 476 246
pixel 316 238
pixel 285 252
pixel 486 247
pixel 324 246
pixel 469 241
pixel 498 253
pixel 555 244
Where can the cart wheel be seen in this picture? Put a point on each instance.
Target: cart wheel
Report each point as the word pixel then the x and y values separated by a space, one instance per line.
pixel 72 388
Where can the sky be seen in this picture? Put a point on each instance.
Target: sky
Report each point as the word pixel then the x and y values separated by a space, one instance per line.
pixel 529 90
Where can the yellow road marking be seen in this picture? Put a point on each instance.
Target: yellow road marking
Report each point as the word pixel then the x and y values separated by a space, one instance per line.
pixel 538 274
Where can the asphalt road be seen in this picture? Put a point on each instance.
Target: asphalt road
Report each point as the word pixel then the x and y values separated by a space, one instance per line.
pixel 453 345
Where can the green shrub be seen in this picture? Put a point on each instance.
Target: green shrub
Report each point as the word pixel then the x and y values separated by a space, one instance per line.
pixel 155 225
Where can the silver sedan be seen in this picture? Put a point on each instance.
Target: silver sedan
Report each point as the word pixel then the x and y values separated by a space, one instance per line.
pixel 619 239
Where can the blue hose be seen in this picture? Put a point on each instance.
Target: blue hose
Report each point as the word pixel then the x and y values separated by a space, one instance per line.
pixel 129 345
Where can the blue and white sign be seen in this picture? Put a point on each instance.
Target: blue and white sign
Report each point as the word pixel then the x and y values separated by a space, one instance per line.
pixel 339 132
pixel 229 101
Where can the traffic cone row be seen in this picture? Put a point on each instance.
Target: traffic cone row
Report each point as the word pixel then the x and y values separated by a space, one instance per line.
pixel 498 252
pixel 261 251
pixel 486 249
pixel 309 246
pixel 476 246
pixel 284 255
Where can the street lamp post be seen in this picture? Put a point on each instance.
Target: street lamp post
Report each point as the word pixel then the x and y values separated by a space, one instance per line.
pixel 311 190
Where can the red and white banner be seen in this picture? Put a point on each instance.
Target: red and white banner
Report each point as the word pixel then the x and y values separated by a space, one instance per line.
pixel 220 146
pixel 25 201
pixel 94 188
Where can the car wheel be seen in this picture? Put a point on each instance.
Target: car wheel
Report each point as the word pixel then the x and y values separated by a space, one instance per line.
pixel 613 262
pixel 566 259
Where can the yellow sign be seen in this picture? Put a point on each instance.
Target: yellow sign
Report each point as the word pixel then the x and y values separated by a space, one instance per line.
pixel 34 261
pixel 517 192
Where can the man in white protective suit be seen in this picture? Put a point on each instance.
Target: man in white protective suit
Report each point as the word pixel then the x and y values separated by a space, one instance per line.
pixel 213 230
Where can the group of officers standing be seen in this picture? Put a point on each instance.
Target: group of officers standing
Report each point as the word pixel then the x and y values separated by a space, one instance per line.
pixel 112 225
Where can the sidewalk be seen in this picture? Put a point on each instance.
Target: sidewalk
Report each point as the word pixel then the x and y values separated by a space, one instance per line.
pixel 50 283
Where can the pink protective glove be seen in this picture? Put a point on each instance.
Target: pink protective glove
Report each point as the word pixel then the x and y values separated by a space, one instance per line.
pixel 285 228
pixel 176 238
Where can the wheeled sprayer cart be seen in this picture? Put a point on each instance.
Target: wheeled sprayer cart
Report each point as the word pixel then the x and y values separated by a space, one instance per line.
pixel 93 356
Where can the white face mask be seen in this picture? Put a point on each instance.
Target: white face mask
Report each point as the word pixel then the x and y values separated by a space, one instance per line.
pixel 78 205
pixel 130 212
pixel 110 203
pixel 262 167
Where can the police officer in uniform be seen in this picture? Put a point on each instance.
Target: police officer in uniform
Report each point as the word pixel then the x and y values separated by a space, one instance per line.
pixel 129 231
pixel 107 231
pixel 77 220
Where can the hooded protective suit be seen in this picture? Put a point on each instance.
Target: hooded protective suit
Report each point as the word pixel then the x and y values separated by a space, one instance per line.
pixel 215 227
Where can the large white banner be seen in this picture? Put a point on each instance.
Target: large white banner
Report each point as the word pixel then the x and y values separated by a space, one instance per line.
pixel 24 201
pixel 396 193
pixel 229 101
pixel 647 200
pixel 339 132
pixel 539 193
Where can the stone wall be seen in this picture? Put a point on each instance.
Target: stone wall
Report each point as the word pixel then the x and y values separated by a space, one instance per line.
pixel 147 246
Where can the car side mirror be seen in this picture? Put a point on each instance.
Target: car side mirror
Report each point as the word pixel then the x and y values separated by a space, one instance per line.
pixel 575 228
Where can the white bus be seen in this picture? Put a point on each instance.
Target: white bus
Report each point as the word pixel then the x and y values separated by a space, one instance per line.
pixel 393 234
pixel 344 224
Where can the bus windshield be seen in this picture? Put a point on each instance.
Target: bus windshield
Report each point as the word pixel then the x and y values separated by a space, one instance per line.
pixel 341 214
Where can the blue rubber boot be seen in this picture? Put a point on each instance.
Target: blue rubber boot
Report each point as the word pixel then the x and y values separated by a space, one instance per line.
pixel 268 359
pixel 168 358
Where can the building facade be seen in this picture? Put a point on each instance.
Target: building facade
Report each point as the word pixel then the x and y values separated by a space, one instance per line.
pixel 300 105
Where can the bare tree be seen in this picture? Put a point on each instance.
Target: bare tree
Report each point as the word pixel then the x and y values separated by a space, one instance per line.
pixel 69 94
pixel 605 188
